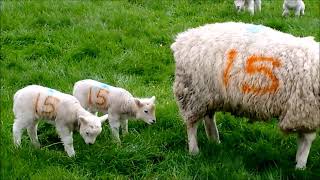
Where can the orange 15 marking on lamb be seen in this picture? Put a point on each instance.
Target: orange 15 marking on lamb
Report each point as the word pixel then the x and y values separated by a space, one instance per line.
pixel 251 68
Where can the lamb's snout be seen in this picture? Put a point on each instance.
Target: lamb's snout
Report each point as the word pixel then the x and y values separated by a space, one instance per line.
pixel 153 121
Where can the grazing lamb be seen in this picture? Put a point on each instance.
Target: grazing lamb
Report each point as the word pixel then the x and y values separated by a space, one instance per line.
pixel 63 110
pixel 250 5
pixel 251 70
pixel 297 5
pixel 117 102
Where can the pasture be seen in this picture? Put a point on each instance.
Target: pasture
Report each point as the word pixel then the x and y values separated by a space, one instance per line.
pixel 127 44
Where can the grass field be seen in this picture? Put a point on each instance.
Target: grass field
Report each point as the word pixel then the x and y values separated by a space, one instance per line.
pixel 127 44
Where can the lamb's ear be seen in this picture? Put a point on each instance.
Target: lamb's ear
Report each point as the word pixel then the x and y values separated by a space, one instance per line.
pixel 138 102
pixel 103 118
pixel 83 120
pixel 153 99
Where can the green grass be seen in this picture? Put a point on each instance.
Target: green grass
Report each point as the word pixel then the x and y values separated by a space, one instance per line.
pixel 127 44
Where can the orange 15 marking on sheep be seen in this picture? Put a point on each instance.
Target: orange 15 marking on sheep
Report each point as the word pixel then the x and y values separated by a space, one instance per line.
pixel 101 100
pixel 251 68
pixel 48 108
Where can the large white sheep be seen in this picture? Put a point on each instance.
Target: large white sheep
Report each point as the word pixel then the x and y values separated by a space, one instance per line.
pixel 296 5
pixel 118 103
pixel 251 70
pixel 250 5
pixel 63 110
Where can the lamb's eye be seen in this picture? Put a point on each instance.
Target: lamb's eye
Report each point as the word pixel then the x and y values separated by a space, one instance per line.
pixel 87 133
pixel 146 111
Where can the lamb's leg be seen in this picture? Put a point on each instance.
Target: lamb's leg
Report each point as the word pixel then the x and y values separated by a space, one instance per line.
pixel 251 7
pixel 32 132
pixel 18 126
pixel 66 137
pixel 211 128
pixel 124 126
pixel 114 122
pixel 192 137
pixel 304 148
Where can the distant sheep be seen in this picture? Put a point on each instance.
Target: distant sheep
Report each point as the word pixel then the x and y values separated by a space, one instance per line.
pixel 64 111
pixel 251 70
pixel 118 103
pixel 251 5
pixel 296 5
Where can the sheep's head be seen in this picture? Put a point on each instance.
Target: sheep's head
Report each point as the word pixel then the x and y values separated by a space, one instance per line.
pixel 146 109
pixel 239 4
pixel 90 127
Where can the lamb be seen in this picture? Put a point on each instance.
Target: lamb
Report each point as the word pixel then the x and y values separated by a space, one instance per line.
pixel 118 103
pixel 297 5
pixel 250 5
pixel 36 102
pixel 250 70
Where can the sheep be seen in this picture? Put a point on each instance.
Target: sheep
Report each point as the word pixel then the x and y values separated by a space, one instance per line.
pixel 297 5
pixel 250 5
pixel 35 102
pixel 251 70
pixel 118 103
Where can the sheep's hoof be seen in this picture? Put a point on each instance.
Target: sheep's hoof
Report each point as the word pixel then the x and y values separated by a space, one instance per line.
pixel 300 167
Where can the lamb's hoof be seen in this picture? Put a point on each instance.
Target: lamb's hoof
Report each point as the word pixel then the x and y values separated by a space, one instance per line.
pixel 194 151
pixel 71 154
pixel 37 145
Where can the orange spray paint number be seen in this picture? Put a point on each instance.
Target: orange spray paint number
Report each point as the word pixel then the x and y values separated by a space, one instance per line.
pixel 251 69
pixel 48 109
pixel 101 99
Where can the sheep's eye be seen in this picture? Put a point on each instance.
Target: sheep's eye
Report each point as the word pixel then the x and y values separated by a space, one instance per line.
pixel 87 133
pixel 146 111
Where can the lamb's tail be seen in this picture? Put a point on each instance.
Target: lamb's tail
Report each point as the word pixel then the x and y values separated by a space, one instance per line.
pixel 104 118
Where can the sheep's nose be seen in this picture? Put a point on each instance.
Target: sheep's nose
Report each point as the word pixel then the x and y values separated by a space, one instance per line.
pixel 153 121
pixel 90 143
pixel 238 7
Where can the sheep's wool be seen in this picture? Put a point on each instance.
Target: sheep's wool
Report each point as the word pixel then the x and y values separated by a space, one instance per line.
pixel 248 69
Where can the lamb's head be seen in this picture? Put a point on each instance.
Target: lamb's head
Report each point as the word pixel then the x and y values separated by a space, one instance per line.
pixel 239 4
pixel 146 109
pixel 90 127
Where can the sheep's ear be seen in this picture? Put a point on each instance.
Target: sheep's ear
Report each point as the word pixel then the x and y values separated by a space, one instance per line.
pixel 103 118
pixel 83 120
pixel 153 99
pixel 138 102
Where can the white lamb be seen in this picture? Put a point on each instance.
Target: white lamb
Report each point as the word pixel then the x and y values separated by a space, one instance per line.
pixel 296 5
pixel 251 70
pixel 118 103
pixel 63 110
pixel 250 5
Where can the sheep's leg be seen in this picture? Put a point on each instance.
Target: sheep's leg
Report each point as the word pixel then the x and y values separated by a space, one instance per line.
pixel 18 126
pixel 257 5
pixel 297 11
pixel 192 137
pixel 32 132
pixel 302 11
pixel 114 122
pixel 66 138
pixel 285 11
pixel 306 140
pixel 251 7
pixel 124 126
pixel 211 128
